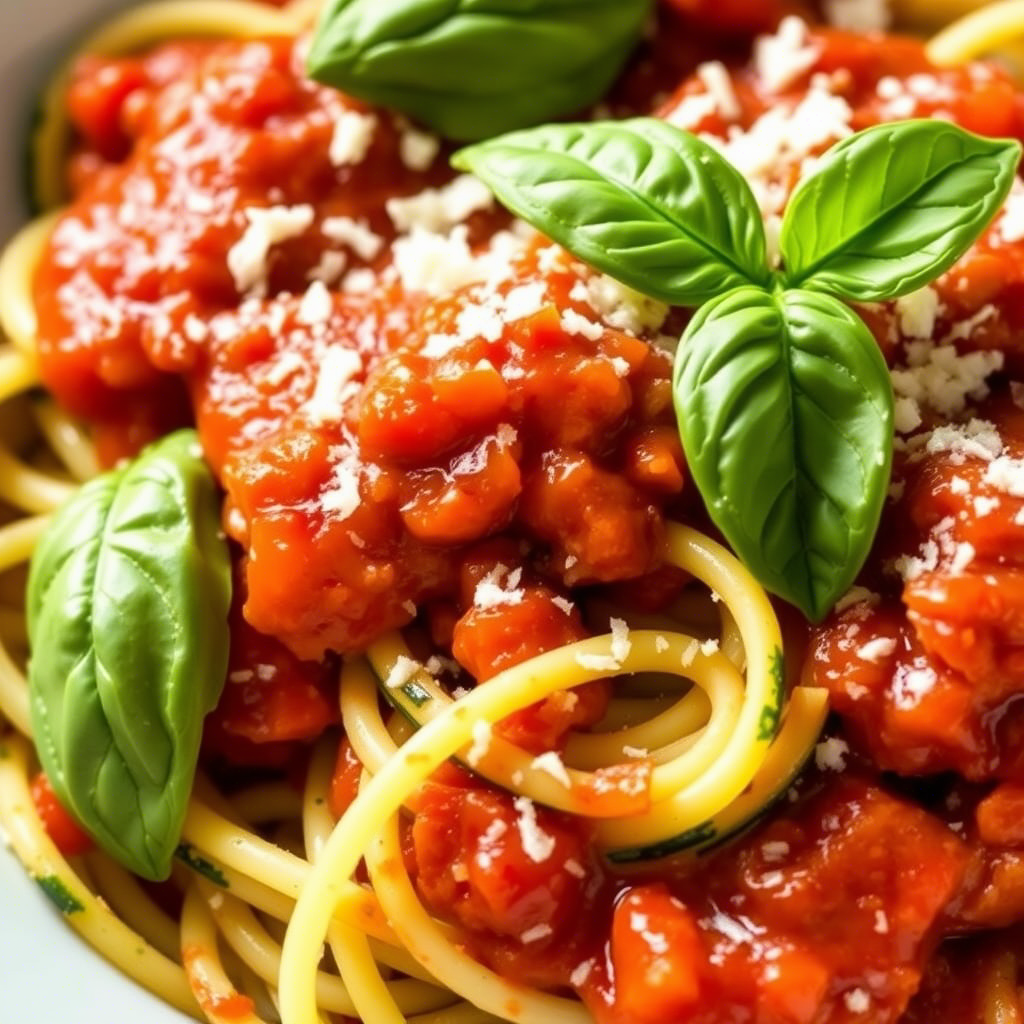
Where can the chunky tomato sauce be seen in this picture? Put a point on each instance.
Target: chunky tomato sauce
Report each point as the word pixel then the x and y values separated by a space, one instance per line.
pixel 405 396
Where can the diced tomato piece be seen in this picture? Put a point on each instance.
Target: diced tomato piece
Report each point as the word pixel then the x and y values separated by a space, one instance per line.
pixel 68 836
pixel 656 954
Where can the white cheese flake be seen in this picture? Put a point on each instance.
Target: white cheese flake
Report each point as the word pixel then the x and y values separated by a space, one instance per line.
pixel 775 850
pixel 1006 474
pixel 440 209
pixel 436 264
pixel 401 672
pixel 535 934
pixel 580 973
pixel 918 312
pixel 1010 224
pixel 537 844
pixel 621 644
pixel 877 650
pixel 482 733
pixel 576 323
pixel 830 754
pixel 499 587
pixel 857 1000
pixel 716 79
pixel 316 306
pixel 356 234
pixel 352 138
pixel 417 149
pixel 552 764
pixel 342 498
pixel 334 385
pixel 267 227
pixel 598 663
pixel 782 58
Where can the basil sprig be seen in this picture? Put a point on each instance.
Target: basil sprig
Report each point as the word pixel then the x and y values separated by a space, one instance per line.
pixel 471 69
pixel 128 597
pixel 783 399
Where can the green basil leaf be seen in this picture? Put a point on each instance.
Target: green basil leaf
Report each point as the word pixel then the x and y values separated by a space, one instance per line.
pixel 785 411
pixel 128 598
pixel 471 69
pixel 891 208
pixel 652 206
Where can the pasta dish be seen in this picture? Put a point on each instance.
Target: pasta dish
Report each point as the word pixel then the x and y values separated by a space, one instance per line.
pixel 511 510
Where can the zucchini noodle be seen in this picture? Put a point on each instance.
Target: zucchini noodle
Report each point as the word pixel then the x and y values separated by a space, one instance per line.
pixel 706 706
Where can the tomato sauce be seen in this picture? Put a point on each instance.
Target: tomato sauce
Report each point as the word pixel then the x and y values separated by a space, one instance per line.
pixel 407 407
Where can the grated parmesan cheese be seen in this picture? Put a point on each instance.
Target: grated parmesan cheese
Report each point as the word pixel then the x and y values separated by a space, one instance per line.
pixel 440 209
pixel 535 934
pixel 830 754
pixel 334 385
pixel 342 498
pixel 857 1000
pixel 775 850
pixel 717 81
pixel 1007 475
pixel 499 587
pixel 782 58
pixel 551 764
pixel 576 323
pixel 353 135
pixel 580 973
pixel 401 672
pixel 316 306
pixel 267 227
pixel 417 149
pixel 1010 225
pixel 918 311
pixel 598 663
pixel 482 733
pixel 356 234
pixel 537 844
pixel 621 644
pixel 878 649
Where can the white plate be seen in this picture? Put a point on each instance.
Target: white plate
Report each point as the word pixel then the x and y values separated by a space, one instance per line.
pixel 47 974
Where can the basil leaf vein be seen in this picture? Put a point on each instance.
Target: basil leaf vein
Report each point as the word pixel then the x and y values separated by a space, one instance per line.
pixel 891 208
pixel 647 204
pixel 785 411
pixel 128 598
pixel 471 69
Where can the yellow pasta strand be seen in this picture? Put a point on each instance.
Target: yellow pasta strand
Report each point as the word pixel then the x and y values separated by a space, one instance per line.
pixel 86 914
pixel 979 33
pixel 211 987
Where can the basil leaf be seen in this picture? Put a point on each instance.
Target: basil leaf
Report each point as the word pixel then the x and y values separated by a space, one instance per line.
pixel 474 68
pixel 890 209
pixel 785 411
pixel 128 598
pixel 652 206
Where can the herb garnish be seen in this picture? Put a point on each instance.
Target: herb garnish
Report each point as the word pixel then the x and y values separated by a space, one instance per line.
pixel 128 598
pixel 784 401
pixel 470 69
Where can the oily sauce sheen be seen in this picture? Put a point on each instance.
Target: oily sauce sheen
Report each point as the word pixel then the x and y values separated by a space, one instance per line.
pixel 529 437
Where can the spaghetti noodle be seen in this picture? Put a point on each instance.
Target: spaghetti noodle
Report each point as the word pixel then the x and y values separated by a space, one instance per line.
pixel 701 735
